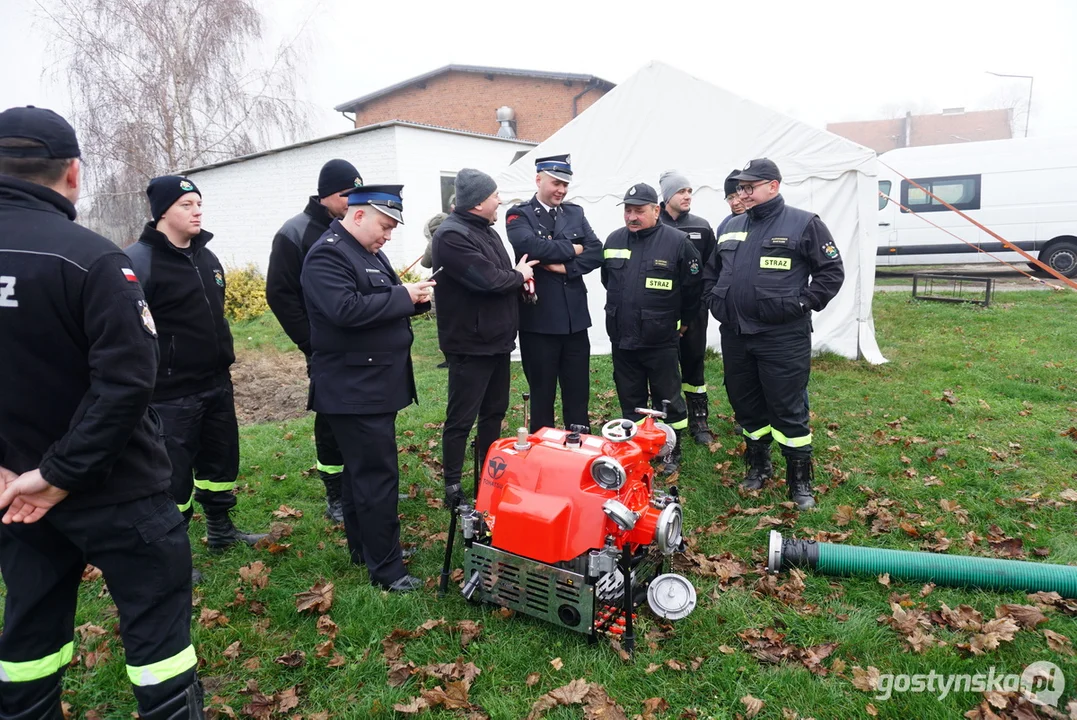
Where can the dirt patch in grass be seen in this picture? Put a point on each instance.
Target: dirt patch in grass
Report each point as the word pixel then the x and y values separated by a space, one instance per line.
pixel 270 386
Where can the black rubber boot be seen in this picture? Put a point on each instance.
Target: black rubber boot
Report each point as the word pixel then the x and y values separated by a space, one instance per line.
pixel 697 418
pixel 334 508
pixel 758 468
pixel 799 474
pixel 221 534
pixel 186 705
pixel 47 708
pixel 671 461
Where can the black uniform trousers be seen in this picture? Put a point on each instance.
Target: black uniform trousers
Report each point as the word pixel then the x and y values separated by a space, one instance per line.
pixel 644 378
pixel 202 440
pixel 766 378
pixel 330 459
pixel 141 547
pixel 478 387
pixel 694 352
pixel 548 359
pixel 369 492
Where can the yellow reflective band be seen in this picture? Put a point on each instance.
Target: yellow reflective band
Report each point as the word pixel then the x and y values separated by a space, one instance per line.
pixel 685 387
pixel 331 469
pixel 658 284
pixel 162 670
pixel 758 434
pixel 616 253
pixel 187 505
pixel 775 263
pixel 792 442
pixel 215 486
pixel 37 669
pixel 680 424
pixel 732 236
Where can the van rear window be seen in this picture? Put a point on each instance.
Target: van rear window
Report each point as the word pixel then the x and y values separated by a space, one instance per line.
pixel 960 191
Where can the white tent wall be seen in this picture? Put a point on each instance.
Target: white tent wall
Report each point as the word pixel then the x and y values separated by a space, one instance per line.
pixel 644 127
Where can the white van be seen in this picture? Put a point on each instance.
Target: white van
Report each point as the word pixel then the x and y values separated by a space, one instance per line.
pixel 1024 189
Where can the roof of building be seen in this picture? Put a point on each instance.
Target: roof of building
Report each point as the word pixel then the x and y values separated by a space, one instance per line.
pixel 353 105
pixel 346 133
pixel 935 129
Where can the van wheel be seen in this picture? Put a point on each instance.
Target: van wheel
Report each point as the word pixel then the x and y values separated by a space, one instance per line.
pixel 1061 256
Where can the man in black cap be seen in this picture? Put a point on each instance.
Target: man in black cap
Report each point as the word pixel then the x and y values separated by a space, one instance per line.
pixel 554 318
pixel 361 372
pixel 284 293
pixel 478 318
pixel 651 272
pixel 774 265
pixel 184 285
pixel 83 473
pixel 736 207
pixel 677 196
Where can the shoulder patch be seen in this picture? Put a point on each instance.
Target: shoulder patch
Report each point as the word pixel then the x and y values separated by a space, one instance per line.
pixel 511 218
pixel 129 274
pixel 693 266
pixel 147 319
pixel 218 277
pixel 830 250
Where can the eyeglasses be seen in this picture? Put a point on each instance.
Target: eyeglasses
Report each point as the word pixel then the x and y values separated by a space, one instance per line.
pixel 749 189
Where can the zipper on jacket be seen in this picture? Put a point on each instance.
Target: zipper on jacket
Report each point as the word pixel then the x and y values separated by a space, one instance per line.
pixel 209 308
pixel 171 353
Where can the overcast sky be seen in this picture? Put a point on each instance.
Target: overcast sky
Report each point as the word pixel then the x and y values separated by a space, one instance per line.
pixel 819 61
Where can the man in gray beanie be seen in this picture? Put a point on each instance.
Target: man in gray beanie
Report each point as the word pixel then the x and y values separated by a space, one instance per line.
pixel 477 321
pixel 677 196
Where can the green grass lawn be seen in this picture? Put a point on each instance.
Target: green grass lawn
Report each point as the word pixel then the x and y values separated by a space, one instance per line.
pixel 959 439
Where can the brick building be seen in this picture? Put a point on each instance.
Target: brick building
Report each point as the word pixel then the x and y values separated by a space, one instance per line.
pixel 947 127
pixel 467 97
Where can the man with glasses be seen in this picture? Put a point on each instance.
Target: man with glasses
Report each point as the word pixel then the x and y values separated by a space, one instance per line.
pixel 735 205
pixel 774 265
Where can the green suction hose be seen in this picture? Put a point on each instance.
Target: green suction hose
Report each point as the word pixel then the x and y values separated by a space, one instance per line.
pixel 946 570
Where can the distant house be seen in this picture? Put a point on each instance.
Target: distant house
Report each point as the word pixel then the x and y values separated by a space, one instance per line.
pixel 533 104
pixel 948 127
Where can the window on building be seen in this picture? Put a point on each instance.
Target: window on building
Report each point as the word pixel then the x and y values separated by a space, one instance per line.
pixel 962 192
pixel 448 181
pixel 884 188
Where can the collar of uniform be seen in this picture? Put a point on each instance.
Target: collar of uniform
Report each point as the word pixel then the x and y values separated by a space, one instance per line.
pixel 159 241
pixel 317 211
pixel 41 195
pixel 665 215
pixel 768 209
pixel 471 218
pixel 644 234
pixel 543 205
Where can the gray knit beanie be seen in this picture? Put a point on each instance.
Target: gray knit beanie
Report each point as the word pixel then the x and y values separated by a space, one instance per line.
pixel 672 182
pixel 472 187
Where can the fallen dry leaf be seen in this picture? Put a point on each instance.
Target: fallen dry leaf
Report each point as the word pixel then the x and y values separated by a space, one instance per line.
pixel 212 618
pixel 232 651
pixel 293 659
pixel 532 679
pixel 866 680
pixel 752 705
pixel 287 512
pixel 1058 642
pixel 1027 616
pixel 318 599
pixel 257 574
pixel 557 663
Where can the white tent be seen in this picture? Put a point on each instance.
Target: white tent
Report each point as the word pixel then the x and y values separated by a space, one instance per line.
pixel 662 119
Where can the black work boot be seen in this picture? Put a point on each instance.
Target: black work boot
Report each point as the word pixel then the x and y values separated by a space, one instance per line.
pixel 47 708
pixel 185 705
pixel 221 534
pixel 671 461
pixel 799 473
pixel 697 418
pixel 334 508
pixel 758 468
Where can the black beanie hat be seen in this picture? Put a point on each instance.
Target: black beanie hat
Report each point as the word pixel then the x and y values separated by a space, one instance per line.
pixel 336 177
pixel 164 191
pixel 731 184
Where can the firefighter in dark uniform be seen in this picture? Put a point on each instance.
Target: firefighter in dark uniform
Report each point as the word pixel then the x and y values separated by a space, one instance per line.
pixel 736 207
pixel 360 334
pixel 677 196
pixel 554 318
pixel 775 264
pixel 184 284
pixel 284 293
pixel 651 273
pixel 83 473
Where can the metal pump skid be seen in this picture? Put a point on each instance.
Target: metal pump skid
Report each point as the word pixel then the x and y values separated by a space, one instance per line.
pixel 562 518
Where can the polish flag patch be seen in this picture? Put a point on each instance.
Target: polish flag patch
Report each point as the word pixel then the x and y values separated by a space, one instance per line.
pixel 129 274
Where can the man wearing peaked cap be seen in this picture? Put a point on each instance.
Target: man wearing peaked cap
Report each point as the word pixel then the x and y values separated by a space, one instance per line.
pixel 284 293
pixel 360 370
pixel 83 472
pixel 651 273
pixel 554 345
pixel 731 197
pixel 775 264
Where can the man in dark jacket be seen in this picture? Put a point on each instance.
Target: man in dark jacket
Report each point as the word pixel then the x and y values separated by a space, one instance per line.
pixel 83 473
pixel 554 346
pixel 477 321
pixel 184 285
pixel 677 193
pixel 284 293
pixel 651 274
pixel 775 264
pixel 360 331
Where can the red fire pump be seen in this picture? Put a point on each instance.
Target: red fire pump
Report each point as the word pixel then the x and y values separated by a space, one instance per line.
pixel 567 527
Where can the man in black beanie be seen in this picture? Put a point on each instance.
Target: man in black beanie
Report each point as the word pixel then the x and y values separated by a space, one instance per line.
pixel 736 206
pixel 184 285
pixel 284 293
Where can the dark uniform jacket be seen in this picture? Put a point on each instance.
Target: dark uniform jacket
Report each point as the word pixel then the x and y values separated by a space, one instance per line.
pixel 774 265
pixel 476 293
pixel 652 281
pixel 698 230
pixel 185 291
pixel 562 299
pixel 78 356
pixel 360 329
pixel 284 292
